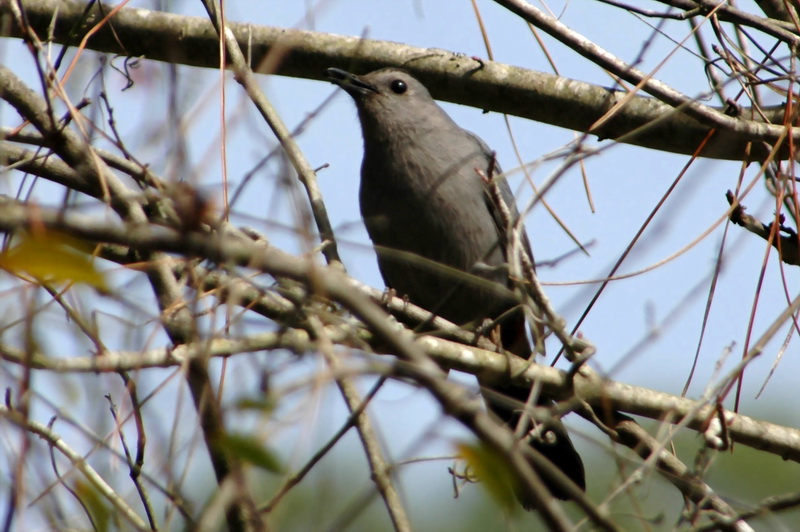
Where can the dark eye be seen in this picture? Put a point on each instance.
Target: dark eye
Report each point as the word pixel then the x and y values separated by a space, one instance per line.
pixel 399 86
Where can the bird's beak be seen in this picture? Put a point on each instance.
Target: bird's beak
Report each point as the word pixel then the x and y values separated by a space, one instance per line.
pixel 351 83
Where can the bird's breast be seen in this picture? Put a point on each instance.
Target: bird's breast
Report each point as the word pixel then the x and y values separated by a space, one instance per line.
pixel 431 226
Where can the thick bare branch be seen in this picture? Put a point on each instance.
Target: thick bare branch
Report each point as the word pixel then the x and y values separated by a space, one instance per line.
pixel 451 77
pixel 427 353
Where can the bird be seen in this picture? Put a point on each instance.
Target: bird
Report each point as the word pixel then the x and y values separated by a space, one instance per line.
pixel 439 235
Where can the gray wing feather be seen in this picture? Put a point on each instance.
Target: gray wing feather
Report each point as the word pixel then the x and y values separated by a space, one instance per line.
pixel 508 199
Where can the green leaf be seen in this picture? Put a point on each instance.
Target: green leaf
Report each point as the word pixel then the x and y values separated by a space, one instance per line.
pixel 252 450
pixel 261 404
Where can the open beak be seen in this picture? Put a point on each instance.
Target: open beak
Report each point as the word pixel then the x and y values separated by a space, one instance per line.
pixel 351 83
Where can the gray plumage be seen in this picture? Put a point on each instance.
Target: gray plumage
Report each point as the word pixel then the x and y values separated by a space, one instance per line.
pixel 439 236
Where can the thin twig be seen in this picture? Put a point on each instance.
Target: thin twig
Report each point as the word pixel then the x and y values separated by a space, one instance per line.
pixel 54 440
pixel 378 465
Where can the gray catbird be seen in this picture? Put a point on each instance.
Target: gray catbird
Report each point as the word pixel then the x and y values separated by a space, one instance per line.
pixel 439 235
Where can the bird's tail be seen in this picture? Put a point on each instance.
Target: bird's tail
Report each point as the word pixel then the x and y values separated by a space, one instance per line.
pixel 554 443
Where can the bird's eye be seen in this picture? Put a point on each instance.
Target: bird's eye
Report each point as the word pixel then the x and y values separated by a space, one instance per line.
pixel 399 86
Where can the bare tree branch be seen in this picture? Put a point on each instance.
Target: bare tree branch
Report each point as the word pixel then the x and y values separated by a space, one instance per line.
pixel 708 116
pixel 451 77
pixel 427 352
pixel 781 237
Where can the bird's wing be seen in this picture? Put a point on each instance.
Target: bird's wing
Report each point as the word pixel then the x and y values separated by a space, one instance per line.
pixel 507 197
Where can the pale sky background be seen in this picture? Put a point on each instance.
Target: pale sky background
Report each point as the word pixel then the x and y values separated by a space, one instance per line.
pixel 626 182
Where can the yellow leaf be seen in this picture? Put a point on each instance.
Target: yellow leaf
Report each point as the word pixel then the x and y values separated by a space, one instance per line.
pixel 95 504
pixel 52 257
pixel 493 472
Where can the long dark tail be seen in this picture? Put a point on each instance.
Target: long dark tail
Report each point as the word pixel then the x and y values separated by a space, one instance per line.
pixel 555 445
